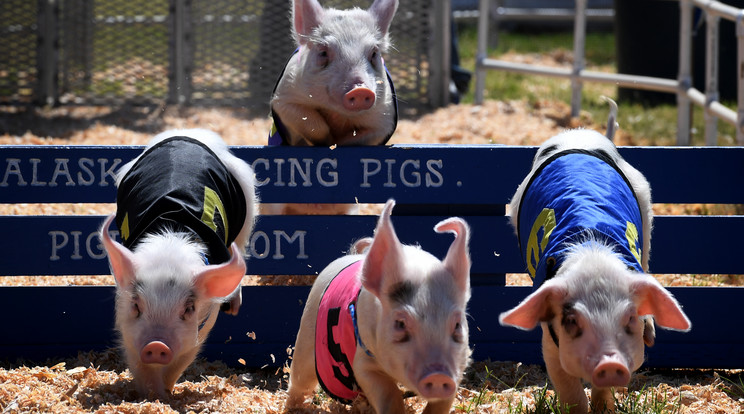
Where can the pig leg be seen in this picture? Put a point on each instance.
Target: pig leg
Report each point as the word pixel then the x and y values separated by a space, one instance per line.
pixel 232 306
pixel 570 390
pixel 649 330
pixel 148 380
pixel 438 407
pixel 365 136
pixel 313 126
pixel 302 376
pixel 173 372
pixel 603 400
pixel 381 391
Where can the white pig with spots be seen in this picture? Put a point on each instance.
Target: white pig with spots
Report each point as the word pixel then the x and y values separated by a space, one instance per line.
pixel 393 315
pixel 583 218
pixel 335 89
pixel 185 211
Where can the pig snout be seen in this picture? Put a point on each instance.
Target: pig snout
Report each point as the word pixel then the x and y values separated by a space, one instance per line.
pixel 611 371
pixel 156 352
pixel 436 384
pixel 360 98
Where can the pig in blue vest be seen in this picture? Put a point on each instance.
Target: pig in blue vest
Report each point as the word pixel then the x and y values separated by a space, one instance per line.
pixel 574 196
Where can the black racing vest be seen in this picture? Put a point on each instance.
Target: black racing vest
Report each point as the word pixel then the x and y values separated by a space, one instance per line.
pixel 179 184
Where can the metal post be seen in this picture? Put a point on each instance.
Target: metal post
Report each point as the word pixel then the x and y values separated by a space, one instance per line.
pixel 740 78
pixel 711 78
pixel 578 64
pixel 684 78
pixel 47 52
pixel 481 54
pixel 179 90
pixel 441 53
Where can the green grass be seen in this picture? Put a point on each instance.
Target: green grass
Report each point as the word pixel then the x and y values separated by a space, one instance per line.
pixel 484 395
pixel 734 387
pixel 648 125
pixel 495 394
pixel 647 400
pixel 544 404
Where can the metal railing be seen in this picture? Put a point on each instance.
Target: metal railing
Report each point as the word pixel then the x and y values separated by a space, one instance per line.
pixel 682 86
pixel 205 52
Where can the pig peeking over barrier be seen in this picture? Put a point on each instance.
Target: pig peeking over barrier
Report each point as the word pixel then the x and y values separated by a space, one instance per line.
pixel 392 315
pixel 583 219
pixel 335 89
pixel 185 211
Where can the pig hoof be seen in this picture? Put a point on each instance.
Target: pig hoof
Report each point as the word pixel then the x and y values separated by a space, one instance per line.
pixel 294 403
pixel 232 306
pixel 227 308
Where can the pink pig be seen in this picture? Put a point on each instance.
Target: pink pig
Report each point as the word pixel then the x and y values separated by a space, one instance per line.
pixel 335 89
pixel 392 315
pixel 185 210
pixel 583 216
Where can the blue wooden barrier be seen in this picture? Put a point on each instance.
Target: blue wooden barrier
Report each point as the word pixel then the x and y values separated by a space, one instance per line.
pixel 429 182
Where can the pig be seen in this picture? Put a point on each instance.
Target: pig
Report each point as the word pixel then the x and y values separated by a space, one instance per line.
pixel 577 215
pixel 185 212
pixel 405 312
pixel 335 89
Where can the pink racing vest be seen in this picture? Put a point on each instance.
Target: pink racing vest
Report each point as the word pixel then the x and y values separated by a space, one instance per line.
pixel 336 336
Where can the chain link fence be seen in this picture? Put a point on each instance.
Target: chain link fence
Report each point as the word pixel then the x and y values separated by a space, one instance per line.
pixel 18 50
pixel 203 52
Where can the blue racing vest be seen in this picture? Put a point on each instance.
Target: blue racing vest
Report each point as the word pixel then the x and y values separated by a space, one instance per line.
pixel 574 195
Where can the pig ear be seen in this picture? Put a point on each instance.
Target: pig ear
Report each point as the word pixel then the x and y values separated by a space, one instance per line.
pixel 382 254
pixel 306 15
pixel 219 281
pixel 384 10
pixel 653 299
pixel 535 308
pixel 457 260
pixel 120 258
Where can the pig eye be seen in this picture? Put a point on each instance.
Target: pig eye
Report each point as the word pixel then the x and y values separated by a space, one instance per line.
pixel 323 58
pixel 401 331
pixel 457 334
pixel 629 327
pixel 136 310
pixel 374 57
pixel 570 323
pixel 188 310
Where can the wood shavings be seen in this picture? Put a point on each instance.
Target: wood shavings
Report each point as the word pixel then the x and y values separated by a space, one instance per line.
pixel 100 381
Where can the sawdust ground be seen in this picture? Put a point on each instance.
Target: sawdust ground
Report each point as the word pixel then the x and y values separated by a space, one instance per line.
pixel 100 382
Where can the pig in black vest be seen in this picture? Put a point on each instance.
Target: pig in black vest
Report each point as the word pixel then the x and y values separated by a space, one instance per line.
pixel 179 184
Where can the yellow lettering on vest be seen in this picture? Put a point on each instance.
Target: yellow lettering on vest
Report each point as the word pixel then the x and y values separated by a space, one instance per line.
pixel 631 233
pixel 124 230
pixel 212 202
pixel 546 221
